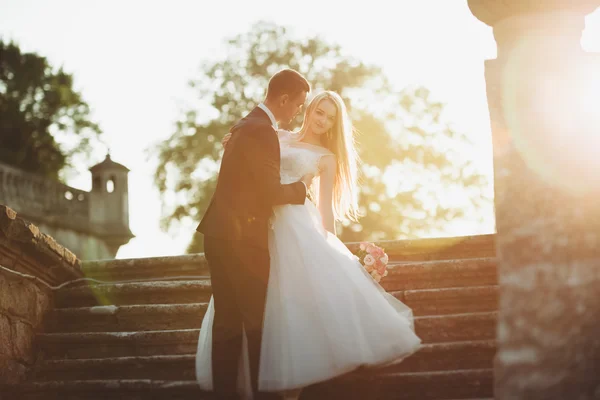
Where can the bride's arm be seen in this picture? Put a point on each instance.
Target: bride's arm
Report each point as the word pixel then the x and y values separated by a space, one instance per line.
pixel 327 178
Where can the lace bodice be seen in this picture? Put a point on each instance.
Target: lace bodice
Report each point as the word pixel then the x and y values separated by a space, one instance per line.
pixel 299 159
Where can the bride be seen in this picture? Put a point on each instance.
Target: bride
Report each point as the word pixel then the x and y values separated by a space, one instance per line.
pixel 324 314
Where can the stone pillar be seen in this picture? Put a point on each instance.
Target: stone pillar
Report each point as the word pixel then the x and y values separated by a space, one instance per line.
pixel 544 101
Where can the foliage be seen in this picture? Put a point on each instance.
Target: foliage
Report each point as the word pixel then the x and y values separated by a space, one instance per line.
pixel 411 158
pixel 44 122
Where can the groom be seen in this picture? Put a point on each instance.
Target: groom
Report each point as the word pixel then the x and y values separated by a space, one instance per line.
pixel 236 227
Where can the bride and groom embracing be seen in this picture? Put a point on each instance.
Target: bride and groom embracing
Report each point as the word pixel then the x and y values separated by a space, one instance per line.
pixel 291 305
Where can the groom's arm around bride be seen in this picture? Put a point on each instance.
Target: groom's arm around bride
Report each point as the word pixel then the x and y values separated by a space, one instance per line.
pixel 249 184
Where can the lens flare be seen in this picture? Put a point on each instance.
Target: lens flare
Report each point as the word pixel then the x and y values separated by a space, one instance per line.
pixel 551 108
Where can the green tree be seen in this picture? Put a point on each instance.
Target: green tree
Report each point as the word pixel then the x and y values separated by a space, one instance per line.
pixel 228 88
pixel 416 178
pixel 44 122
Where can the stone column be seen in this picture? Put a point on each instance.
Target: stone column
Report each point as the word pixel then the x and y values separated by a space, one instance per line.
pixel 544 101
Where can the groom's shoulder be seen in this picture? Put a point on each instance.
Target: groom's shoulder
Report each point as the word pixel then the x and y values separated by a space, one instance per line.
pixel 253 123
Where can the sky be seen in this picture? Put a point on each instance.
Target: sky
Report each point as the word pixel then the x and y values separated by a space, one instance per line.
pixel 132 61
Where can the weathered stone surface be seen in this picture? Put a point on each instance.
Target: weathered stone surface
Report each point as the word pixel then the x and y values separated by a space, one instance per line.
pixel 412 275
pixel 5 294
pixel 112 389
pixel 18 298
pixel 449 356
pixel 44 257
pixel 7 256
pixel 160 292
pixel 183 315
pixel 447 328
pixel 43 304
pixel 7 216
pixel 547 189
pixel 115 344
pixel 128 318
pixel 11 372
pixel 30 261
pixel 148 332
pixel 459 327
pixel 5 337
pixel 450 300
pixel 450 248
pixel 400 386
pixel 151 267
pixel 422 386
pixel 160 367
pixel 22 342
pixel 441 274
pixel 432 357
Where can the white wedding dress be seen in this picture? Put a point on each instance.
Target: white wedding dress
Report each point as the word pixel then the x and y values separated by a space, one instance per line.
pixel 324 315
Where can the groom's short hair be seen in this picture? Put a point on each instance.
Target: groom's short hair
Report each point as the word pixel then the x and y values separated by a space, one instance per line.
pixel 287 81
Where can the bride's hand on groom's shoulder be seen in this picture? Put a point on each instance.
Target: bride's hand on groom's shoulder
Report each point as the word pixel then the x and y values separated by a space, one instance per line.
pixel 226 139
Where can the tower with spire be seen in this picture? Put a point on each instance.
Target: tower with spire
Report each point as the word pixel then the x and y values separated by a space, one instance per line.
pixel 109 203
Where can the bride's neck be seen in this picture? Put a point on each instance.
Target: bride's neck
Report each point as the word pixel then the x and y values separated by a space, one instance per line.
pixel 310 138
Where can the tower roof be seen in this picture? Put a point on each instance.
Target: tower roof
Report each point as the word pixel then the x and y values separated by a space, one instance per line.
pixel 108 165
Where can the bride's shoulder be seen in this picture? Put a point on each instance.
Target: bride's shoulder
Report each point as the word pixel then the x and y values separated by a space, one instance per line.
pixel 285 135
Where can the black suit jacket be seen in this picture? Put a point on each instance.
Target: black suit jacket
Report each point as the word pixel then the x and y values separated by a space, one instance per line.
pixel 249 184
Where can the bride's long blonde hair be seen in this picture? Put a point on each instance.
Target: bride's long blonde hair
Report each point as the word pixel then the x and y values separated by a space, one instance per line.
pixel 340 141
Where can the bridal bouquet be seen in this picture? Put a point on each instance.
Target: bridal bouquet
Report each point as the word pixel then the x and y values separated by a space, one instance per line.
pixel 373 259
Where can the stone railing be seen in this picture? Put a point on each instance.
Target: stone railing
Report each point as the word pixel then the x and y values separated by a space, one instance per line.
pixel 31 263
pixel 40 197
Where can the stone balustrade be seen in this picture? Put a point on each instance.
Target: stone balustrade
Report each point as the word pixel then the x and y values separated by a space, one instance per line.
pixel 40 197
pixel 63 212
pixel 31 262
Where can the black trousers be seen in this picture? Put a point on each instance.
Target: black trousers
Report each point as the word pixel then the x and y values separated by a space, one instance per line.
pixel 239 279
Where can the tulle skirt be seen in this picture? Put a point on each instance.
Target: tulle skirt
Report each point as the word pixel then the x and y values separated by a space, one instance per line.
pixel 324 314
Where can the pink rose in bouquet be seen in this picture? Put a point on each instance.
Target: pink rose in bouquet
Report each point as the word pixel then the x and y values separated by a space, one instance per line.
pixel 374 260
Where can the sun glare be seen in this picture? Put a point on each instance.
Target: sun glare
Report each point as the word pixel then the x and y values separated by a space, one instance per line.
pixel 551 107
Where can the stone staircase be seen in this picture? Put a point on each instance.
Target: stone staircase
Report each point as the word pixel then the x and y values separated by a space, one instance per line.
pixel 137 340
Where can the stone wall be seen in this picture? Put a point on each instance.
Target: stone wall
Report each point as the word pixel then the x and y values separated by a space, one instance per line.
pixel 31 263
pixel 84 245
pixel 67 214
pixel 23 305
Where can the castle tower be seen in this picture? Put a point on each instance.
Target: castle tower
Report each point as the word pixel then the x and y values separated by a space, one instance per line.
pixel 109 203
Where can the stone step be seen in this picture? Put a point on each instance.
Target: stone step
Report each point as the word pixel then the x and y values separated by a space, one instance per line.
pixel 424 301
pixel 456 327
pixel 144 317
pixel 456 300
pixel 413 275
pixel 409 275
pixel 431 329
pixel 431 357
pixel 462 384
pixel 183 316
pixel 163 292
pixel 142 389
pixel 442 248
pixel 175 268
pixel 449 356
pixel 455 248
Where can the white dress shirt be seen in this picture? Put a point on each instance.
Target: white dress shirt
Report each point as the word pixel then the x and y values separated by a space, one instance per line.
pixel 270 115
pixel 276 127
